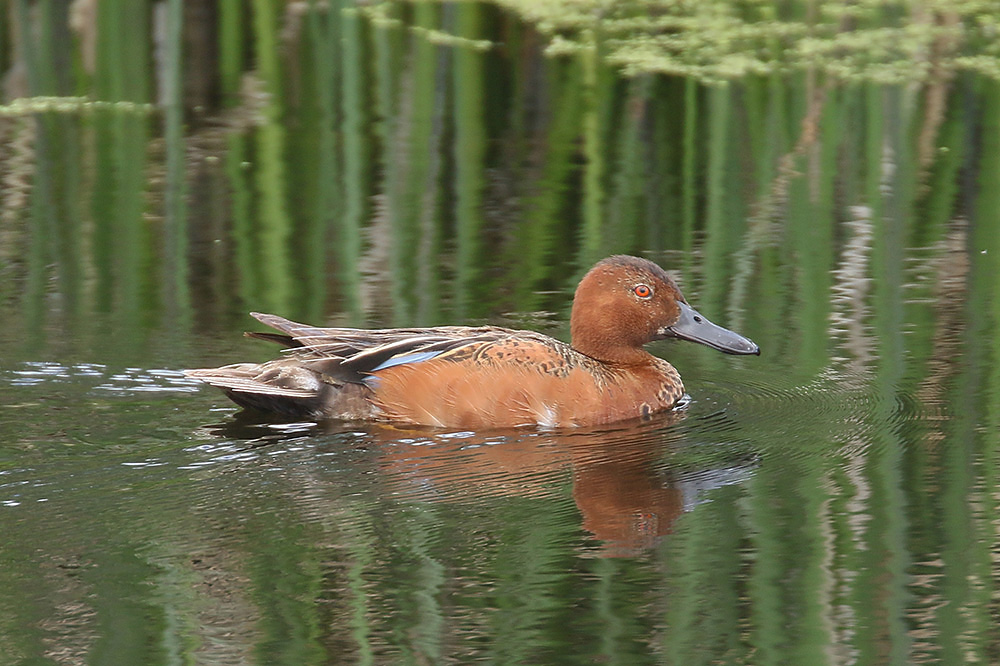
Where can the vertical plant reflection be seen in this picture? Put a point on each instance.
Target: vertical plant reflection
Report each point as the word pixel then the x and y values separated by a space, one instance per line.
pixel 384 163
pixel 356 138
pixel 176 294
pixel 470 156
pixel 123 252
pixel 272 225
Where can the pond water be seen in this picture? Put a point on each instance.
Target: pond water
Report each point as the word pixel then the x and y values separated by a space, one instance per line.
pixel 834 500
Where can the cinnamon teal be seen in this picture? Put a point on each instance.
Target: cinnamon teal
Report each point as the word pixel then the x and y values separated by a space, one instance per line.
pixel 487 377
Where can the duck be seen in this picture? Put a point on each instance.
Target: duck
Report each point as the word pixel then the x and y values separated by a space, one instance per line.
pixel 480 377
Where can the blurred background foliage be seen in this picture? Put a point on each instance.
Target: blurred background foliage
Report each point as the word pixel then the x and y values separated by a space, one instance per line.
pixel 822 176
pixel 399 162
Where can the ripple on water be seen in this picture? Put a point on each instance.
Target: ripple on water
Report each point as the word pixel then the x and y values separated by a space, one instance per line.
pixel 822 416
pixel 119 381
pixel 590 477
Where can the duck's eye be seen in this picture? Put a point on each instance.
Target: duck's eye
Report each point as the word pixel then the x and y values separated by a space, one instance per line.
pixel 642 291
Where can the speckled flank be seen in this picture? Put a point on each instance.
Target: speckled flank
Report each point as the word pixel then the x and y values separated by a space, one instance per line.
pixel 524 380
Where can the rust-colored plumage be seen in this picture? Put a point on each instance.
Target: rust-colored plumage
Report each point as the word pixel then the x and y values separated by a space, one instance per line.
pixel 476 377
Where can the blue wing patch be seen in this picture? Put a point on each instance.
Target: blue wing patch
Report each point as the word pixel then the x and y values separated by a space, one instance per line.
pixel 416 357
pixel 372 380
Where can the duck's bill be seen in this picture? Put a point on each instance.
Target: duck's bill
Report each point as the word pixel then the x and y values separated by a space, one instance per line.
pixel 695 327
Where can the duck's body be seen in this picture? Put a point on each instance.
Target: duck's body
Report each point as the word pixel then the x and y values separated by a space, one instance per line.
pixel 468 377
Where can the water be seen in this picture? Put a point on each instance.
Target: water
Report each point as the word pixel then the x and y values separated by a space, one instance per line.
pixel 832 501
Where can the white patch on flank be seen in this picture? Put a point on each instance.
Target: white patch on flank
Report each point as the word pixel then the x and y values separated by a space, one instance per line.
pixel 433 420
pixel 546 416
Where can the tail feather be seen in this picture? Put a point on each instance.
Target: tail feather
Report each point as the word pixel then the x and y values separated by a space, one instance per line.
pixel 219 377
pixel 289 389
pixel 286 341
pixel 299 408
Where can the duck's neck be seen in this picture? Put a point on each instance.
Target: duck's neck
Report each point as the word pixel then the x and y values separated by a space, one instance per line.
pixel 607 343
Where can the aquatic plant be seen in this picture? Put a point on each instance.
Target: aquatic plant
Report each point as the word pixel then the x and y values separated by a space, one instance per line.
pixel 715 40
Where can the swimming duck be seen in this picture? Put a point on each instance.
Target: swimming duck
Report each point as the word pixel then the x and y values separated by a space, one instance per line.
pixel 488 377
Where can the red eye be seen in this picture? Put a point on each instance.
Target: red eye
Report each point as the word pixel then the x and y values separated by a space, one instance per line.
pixel 642 291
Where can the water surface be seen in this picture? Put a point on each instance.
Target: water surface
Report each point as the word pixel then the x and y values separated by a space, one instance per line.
pixel 832 501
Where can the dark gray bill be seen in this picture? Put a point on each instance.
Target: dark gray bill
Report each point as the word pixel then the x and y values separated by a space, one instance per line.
pixel 696 328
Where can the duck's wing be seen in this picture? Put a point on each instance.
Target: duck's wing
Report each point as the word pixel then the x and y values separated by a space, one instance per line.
pixel 351 355
pixel 329 372
pixel 337 372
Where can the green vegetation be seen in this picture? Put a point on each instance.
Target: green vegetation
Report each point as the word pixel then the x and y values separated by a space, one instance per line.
pixel 417 164
pixel 714 40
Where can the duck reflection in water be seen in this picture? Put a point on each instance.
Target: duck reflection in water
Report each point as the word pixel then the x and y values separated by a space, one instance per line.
pixel 627 496
pixel 626 490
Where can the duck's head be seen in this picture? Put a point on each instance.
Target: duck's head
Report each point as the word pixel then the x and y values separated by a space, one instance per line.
pixel 624 302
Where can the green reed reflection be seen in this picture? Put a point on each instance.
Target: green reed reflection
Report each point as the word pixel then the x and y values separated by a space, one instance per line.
pixel 123 255
pixel 470 150
pixel 423 163
pixel 272 230
pixel 232 40
pixel 314 142
pixel 594 132
pixel 355 133
pixel 537 238
pixel 704 601
pixel 290 587
pixel 177 298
